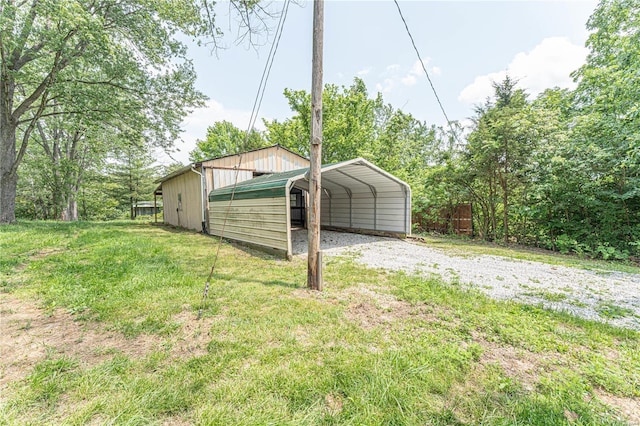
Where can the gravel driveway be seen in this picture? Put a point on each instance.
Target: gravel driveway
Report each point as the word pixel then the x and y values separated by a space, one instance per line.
pixel 611 297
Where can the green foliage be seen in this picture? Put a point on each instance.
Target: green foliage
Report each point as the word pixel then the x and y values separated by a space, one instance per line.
pixel 561 171
pixel 132 178
pixel 348 121
pixel 355 125
pixel 223 138
pixel 547 172
pixel 118 67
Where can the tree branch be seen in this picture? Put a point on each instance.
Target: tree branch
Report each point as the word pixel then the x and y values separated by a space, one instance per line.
pixel 24 35
pixel 43 137
pixel 105 83
pixel 53 114
pixel 27 135
pixel 59 64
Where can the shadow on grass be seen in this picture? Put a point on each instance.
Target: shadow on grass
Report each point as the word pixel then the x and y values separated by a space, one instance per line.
pixel 268 283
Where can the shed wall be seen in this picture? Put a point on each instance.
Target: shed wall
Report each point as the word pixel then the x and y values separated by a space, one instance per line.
pixel 219 178
pixel 386 212
pixel 190 215
pixel 262 221
pixel 273 159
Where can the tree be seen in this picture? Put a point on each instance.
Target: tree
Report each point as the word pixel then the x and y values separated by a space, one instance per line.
pixel 223 138
pixel 499 145
pixel 609 119
pixel 348 121
pixel 118 62
pixel 132 174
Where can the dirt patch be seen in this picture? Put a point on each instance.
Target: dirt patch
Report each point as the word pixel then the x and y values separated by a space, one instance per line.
pixel 519 364
pixel 193 335
pixel 30 335
pixel 371 308
pixel 46 252
pixel 333 403
pixel 629 408
pixel 527 367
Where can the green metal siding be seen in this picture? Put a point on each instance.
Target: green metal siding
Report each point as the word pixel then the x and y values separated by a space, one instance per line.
pixel 267 186
pixel 254 193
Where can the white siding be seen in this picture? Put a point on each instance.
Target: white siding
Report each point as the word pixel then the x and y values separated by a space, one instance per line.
pixel 388 211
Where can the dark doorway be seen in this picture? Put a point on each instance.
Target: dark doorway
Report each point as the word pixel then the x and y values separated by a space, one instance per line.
pixel 298 213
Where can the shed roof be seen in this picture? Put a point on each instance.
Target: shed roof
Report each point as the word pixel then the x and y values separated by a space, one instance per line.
pixel 353 176
pixel 191 166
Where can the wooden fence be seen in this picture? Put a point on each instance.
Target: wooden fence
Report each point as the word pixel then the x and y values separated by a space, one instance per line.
pixel 458 220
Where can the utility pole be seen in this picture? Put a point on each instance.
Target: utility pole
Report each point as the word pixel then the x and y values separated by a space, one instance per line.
pixel 314 257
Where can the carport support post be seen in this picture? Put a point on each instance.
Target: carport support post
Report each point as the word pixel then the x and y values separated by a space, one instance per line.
pixel 314 269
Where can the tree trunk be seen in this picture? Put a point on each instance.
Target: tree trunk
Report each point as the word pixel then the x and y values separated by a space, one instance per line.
pixel 8 177
pixel 492 207
pixel 70 212
pixel 505 190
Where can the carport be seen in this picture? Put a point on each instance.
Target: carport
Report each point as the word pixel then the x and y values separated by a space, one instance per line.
pixel 357 196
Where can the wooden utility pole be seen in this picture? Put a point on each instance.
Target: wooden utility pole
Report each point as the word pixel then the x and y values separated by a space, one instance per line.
pixel 314 270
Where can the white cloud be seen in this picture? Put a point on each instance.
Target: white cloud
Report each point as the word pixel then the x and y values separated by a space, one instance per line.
pixel 416 69
pixel 394 75
pixel 387 85
pixel 364 72
pixel 547 65
pixel 195 127
pixel 409 80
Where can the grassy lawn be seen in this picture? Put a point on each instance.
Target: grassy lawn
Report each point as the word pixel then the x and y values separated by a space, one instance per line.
pixel 116 305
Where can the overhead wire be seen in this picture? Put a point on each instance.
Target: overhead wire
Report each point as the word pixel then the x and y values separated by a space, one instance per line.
pixel 252 119
pixel 413 43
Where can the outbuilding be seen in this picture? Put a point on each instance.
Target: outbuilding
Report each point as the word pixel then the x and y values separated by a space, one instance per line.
pixel 357 196
pixel 184 192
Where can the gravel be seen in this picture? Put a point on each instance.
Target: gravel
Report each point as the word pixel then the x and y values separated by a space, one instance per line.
pixel 611 297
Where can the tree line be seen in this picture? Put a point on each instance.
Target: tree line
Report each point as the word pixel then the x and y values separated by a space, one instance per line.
pixel 84 84
pixel 559 170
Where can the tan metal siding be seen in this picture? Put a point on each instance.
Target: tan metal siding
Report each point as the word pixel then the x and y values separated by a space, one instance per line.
pixel 259 221
pixel 226 177
pixel 190 217
pixel 273 159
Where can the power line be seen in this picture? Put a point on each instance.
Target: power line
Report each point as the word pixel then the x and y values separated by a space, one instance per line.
pixel 254 115
pixel 267 68
pixel 425 71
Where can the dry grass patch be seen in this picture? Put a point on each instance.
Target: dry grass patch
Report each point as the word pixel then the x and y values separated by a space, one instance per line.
pixel 31 335
pixel 629 408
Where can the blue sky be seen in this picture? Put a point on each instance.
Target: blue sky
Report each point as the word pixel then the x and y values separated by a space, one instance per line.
pixel 465 45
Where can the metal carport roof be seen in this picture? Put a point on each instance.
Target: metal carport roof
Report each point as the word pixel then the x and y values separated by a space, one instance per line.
pixel 359 195
pixel 357 175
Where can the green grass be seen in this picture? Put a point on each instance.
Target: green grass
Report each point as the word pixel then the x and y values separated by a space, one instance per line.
pixel 373 348
pixel 611 311
pixel 465 247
